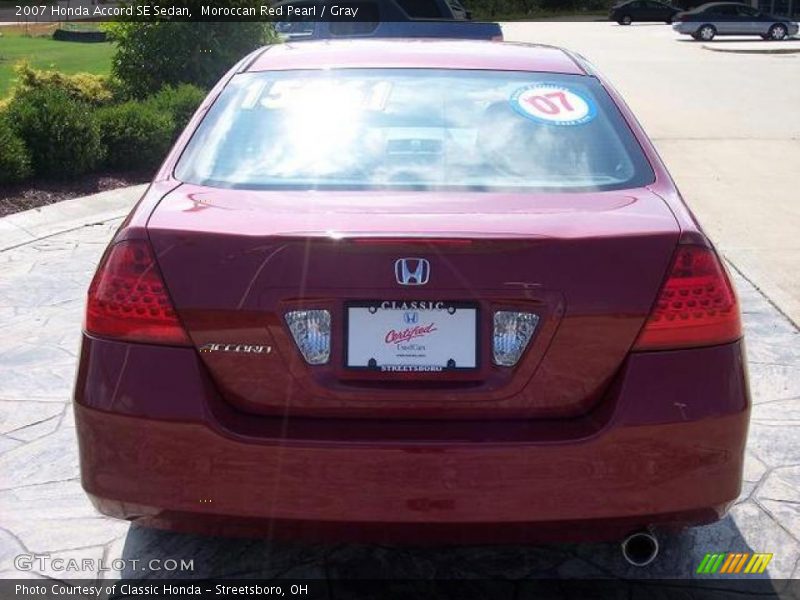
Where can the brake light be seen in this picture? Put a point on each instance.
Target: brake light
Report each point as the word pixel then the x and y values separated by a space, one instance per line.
pixel 696 305
pixel 128 299
pixel 393 241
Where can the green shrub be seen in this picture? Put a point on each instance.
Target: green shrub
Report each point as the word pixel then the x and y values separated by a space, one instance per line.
pixel 15 160
pixel 179 103
pixel 59 131
pixel 136 135
pixel 150 55
pixel 95 90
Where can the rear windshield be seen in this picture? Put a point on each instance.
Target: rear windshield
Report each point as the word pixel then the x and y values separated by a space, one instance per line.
pixel 357 129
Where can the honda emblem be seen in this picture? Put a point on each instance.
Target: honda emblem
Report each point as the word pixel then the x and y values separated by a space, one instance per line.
pixel 412 271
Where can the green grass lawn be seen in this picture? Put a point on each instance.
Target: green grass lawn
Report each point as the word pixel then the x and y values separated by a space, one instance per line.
pixel 43 52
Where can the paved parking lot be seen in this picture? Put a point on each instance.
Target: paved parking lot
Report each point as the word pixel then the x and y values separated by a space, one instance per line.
pixel 42 287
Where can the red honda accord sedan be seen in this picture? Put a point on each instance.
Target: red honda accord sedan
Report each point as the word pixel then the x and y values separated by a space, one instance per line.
pixel 425 291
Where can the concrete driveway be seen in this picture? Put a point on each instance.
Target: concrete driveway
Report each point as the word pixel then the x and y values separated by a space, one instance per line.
pixel 46 261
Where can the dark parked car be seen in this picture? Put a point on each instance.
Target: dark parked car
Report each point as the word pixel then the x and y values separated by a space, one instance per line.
pixel 626 13
pixel 431 290
pixel 729 18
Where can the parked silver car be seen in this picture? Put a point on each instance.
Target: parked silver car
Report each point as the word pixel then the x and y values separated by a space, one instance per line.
pixel 728 18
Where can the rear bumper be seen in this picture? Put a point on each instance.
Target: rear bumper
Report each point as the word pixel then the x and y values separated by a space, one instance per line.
pixel 665 447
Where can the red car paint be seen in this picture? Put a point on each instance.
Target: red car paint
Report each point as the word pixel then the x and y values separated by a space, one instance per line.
pixel 584 431
pixel 428 53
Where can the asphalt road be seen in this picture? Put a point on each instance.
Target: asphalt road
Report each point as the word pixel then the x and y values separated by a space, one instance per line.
pixel 728 127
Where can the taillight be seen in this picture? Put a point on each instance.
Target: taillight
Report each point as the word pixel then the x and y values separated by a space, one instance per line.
pixel 311 330
pixel 393 241
pixel 512 332
pixel 128 299
pixel 696 305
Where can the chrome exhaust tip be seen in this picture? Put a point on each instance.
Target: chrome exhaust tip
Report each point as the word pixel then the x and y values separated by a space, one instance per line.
pixel 640 548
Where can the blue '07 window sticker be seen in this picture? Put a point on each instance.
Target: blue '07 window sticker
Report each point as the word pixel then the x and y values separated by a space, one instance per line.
pixel 554 105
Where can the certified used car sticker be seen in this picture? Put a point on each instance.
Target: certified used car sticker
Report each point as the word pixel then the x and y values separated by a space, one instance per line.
pixel 554 105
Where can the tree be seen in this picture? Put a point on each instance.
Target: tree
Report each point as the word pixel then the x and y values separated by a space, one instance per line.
pixel 150 55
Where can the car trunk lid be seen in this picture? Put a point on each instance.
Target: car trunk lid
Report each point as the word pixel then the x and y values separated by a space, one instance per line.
pixel 589 265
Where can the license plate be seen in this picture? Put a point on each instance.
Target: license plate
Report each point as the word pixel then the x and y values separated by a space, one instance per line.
pixel 415 337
